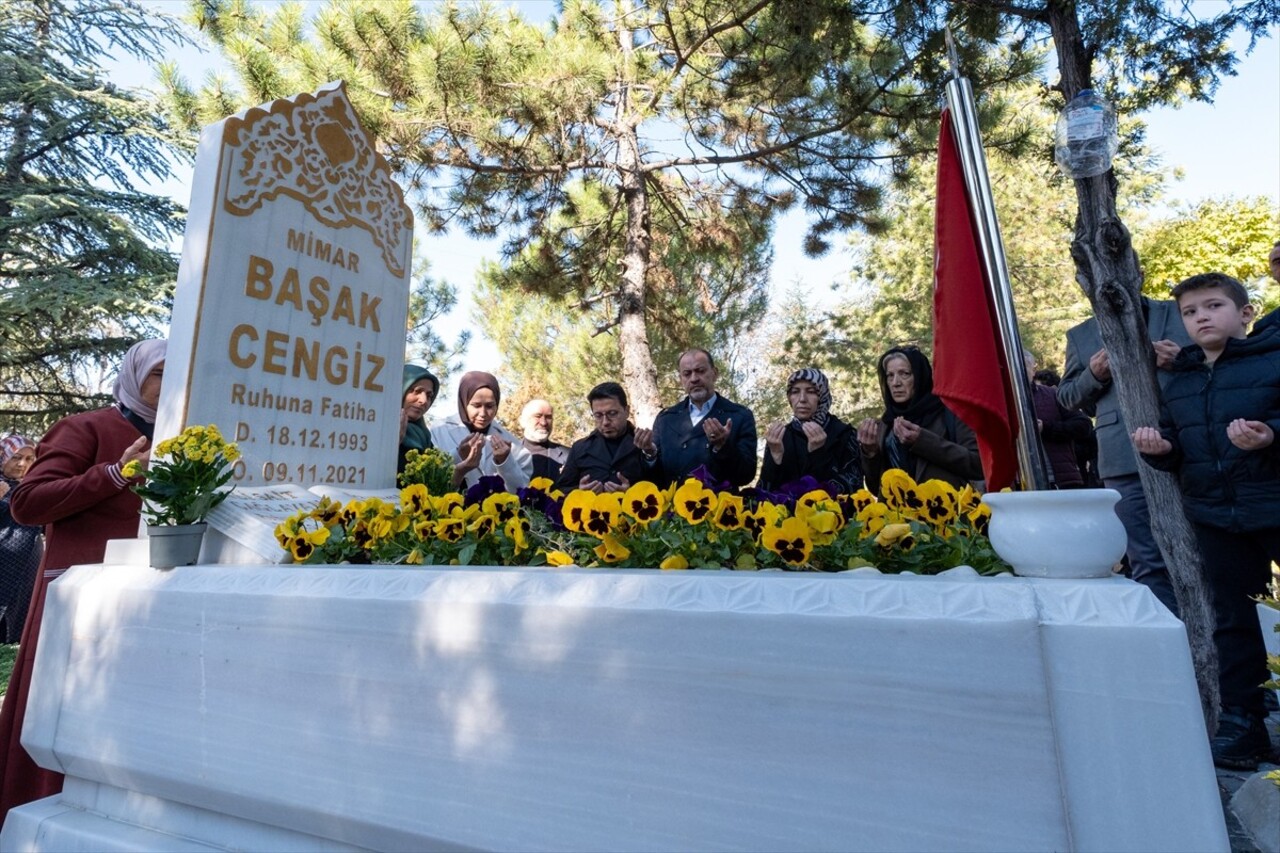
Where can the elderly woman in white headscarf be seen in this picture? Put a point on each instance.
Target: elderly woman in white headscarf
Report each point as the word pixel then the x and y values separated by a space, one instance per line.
pixel 20 544
pixel 75 489
pixel 814 443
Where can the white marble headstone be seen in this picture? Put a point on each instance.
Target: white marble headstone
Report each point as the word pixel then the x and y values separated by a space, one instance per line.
pixel 289 317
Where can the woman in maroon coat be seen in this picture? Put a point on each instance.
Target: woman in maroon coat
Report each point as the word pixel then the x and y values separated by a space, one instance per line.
pixel 76 491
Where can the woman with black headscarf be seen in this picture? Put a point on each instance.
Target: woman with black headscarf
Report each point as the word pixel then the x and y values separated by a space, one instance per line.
pixel 481 446
pixel 814 442
pixel 916 433
pixel 76 490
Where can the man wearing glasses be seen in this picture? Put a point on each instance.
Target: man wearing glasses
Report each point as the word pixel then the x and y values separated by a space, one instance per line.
pixel 606 460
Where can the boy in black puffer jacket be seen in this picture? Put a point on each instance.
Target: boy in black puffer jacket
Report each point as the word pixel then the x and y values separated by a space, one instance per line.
pixel 1220 412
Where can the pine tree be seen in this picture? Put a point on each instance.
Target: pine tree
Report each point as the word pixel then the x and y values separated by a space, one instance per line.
pixel 892 277
pixel 709 287
pixel 430 300
pixel 84 265
pixel 692 108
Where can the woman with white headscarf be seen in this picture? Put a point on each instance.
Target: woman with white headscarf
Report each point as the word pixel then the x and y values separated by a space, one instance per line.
pixel 75 489
pixel 481 446
pixel 814 443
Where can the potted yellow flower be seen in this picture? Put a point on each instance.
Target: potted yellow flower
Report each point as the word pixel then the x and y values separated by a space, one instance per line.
pixel 186 479
pixel 432 468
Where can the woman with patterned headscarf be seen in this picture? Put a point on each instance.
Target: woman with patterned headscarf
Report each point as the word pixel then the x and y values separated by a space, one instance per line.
pixel 20 544
pixel 917 432
pixel 481 446
pixel 814 442
pixel 76 490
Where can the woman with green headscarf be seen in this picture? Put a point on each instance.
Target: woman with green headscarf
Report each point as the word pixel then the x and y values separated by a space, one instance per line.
pixel 420 389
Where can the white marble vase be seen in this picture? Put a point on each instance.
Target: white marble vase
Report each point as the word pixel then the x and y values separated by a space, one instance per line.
pixel 1069 533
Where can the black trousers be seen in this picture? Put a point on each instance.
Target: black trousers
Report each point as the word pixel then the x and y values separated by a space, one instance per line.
pixel 1237 566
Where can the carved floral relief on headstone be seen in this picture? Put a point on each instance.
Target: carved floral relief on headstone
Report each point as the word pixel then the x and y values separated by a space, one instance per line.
pixel 289 317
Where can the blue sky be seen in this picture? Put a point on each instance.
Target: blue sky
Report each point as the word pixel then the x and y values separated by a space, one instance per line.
pixel 1228 148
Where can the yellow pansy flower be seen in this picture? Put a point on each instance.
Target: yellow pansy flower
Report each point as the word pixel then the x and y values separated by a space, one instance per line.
pixel 901 492
pixel 446 504
pixel 504 505
pixel 415 498
pixel 644 502
pixel 862 499
pixel 968 499
pixel 765 515
pixel 413 558
pixel 832 518
pixel 542 484
pixel 979 517
pixel 387 520
pixel 349 513
pixel 450 529
pixel 574 510
pixel 482 525
pixel 559 558
pixel 303 545
pixel 327 512
pixel 602 515
pixel 812 500
pixel 694 502
pixel 790 541
pixel 517 529
pixel 610 550
pixel 675 561
pixel 896 534
pixel 941 502
pixel 729 512
pixel 824 526
pixel 287 529
pixel 361 536
pixel 872 519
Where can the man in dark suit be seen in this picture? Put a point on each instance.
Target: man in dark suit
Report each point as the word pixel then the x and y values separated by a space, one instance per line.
pixel 702 429
pixel 606 460
pixel 1086 385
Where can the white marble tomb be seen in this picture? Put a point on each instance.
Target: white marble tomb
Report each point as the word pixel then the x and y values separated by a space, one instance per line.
pixel 301 708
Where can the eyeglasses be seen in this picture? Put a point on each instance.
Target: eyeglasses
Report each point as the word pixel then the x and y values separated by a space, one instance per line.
pixel 611 415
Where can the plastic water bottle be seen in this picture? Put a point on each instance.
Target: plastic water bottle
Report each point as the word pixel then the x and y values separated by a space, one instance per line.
pixel 1086 139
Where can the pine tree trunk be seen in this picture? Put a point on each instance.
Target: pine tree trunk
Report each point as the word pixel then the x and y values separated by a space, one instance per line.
pixel 639 377
pixel 1107 270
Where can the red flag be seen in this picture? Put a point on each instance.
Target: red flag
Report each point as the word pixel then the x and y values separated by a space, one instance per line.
pixel 969 371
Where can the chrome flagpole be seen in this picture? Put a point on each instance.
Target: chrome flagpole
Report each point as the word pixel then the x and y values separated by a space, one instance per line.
pixel 973 160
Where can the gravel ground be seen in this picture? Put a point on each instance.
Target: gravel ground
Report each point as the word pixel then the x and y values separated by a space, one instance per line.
pixel 1229 781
